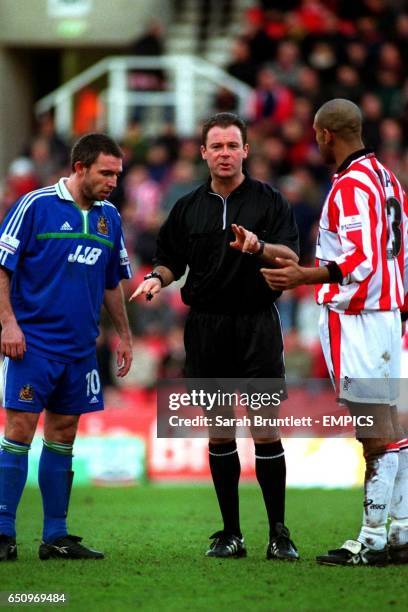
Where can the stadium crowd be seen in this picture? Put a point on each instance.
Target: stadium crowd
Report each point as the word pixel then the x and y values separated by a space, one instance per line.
pixel 295 54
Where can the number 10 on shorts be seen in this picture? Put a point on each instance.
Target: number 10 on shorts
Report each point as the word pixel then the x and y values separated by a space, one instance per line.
pixel 93 383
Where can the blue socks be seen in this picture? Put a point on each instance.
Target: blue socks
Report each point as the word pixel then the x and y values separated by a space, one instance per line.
pixel 55 480
pixel 13 476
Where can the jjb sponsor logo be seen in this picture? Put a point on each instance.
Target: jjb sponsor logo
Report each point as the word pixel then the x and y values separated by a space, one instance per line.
pixel 86 255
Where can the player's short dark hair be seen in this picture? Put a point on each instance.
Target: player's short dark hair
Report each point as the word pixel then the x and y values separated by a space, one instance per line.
pixel 342 117
pixel 88 147
pixel 224 120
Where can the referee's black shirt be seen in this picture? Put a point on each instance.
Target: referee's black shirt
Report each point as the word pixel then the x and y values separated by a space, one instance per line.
pixel 198 231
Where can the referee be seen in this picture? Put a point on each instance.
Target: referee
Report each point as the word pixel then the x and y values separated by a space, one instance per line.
pixel 225 231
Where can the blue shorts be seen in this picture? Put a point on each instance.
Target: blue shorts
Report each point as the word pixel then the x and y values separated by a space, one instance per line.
pixel 35 382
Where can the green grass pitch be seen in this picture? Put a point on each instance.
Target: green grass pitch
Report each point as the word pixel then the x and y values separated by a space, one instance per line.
pixel 154 538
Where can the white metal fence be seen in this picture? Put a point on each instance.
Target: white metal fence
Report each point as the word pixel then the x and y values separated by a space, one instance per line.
pixel 190 86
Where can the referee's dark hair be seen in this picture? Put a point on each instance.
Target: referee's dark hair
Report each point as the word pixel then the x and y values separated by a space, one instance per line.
pixel 224 120
pixel 88 147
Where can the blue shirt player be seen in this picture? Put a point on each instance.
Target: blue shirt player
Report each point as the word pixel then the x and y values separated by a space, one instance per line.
pixel 62 255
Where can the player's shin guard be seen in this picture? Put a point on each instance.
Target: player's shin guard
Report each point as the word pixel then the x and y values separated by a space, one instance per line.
pixel 13 476
pixel 55 480
pixel 225 470
pixel 398 532
pixel 381 471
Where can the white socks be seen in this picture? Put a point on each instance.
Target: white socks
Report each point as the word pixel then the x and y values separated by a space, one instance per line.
pixel 398 532
pixel 381 472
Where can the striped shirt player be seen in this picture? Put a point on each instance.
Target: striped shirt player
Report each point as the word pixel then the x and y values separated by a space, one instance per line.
pixel 362 231
pixel 362 267
pixel 62 259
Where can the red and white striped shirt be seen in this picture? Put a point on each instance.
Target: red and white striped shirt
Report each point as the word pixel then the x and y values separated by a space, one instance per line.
pixel 363 228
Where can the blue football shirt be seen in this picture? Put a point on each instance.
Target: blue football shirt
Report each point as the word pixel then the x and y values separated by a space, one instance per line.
pixel 62 259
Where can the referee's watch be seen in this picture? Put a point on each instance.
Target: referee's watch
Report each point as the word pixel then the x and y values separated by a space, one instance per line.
pixel 261 248
pixel 154 275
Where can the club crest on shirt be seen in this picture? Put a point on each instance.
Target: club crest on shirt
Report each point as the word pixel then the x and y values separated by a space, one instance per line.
pixel 26 393
pixel 102 226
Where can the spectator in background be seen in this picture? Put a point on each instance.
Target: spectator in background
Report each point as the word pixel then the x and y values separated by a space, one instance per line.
pixel 322 58
pixel 372 111
pixel 287 64
pixel 149 44
pixel 356 55
pixel 158 163
pixel 271 102
pixel 297 141
pixel 142 196
pixel 293 189
pixel 225 101
pixel 136 142
pixel 145 238
pixel 401 36
pixel 347 84
pixel 389 92
pixel 181 182
pixel 58 148
pixel 391 144
pixel 310 87
pixel 45 166
pixel 242 66
pixel 275 152
pixel 258 168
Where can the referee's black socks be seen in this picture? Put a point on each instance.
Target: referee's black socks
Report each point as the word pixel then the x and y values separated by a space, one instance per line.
pixel 270 469
pixel 225 470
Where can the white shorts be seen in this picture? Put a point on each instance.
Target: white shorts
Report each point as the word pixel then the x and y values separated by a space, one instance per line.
pixel 363 354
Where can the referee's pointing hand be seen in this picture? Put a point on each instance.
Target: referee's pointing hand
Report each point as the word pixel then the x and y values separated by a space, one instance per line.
pixel 245 241
pixel 148 287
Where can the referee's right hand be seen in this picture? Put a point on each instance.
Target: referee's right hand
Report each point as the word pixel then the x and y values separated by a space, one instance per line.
pixel 13 342
pixel 149 288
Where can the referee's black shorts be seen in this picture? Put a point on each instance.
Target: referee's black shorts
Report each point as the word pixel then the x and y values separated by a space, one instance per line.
pixel 243 345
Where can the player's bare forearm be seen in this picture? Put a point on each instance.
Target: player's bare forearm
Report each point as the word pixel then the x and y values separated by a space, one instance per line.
pixel 291 275
pixel 6 310
pixel 115 305
pixel 12 338
pixel 272 251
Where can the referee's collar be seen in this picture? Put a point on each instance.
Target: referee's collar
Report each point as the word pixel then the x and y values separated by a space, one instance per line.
pixel 238 189
pixel 353 157
pixel 64 194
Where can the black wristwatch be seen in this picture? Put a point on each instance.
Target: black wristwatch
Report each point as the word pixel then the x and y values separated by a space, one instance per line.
pixel 154 275
pixel 261 248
